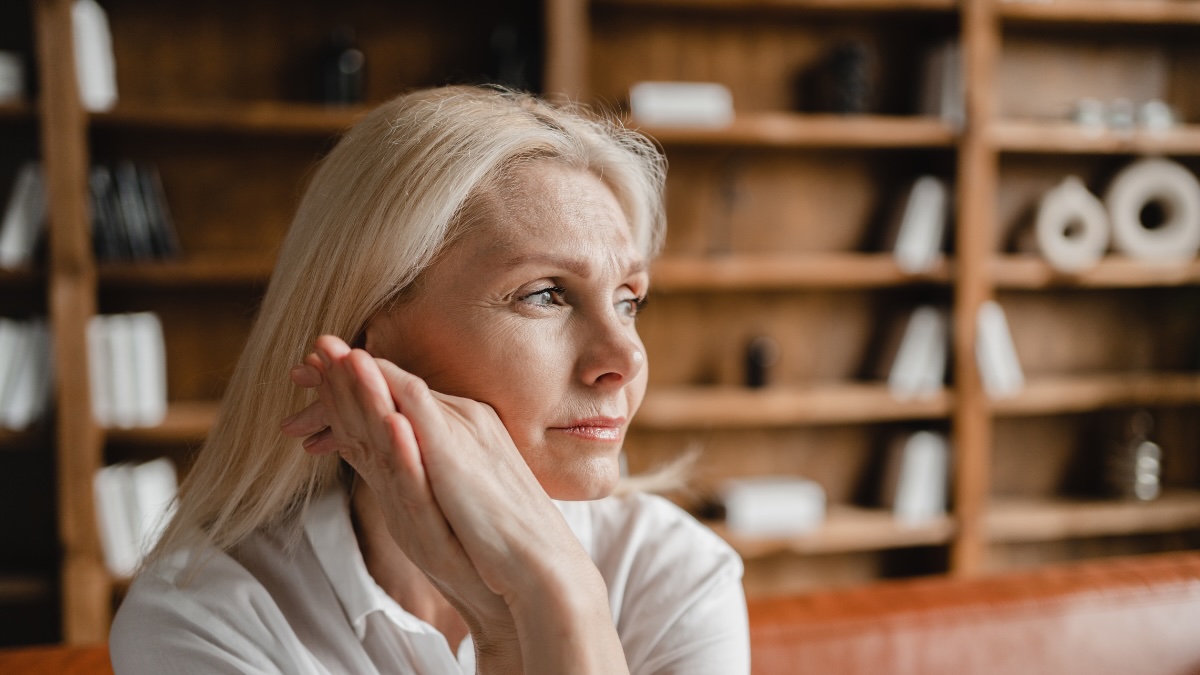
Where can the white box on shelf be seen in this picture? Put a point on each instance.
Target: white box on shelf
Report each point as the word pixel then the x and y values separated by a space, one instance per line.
pixel 772 505
pixel 681 104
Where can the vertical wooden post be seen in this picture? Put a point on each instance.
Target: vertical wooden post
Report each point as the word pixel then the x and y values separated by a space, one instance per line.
pixel 977 175
pixel 566 57
pixel 86 587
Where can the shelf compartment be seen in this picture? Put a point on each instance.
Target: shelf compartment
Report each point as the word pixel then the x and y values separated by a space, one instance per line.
pixel 789 5
pixel 1062 137
pixel 262 117
pixel 846 529
pixel 728 407
pixel 1101 11
pixel 774 272
pixel 1085 393
pixel 1033 273
pixel 1023 520
pixel 187 422
pixel 186 273
pixel 795 130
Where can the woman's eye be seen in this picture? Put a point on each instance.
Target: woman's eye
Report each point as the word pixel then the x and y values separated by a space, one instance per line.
pixel 632 306
pixel 547 297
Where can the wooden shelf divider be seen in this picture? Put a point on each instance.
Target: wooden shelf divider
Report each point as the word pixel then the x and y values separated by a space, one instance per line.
pixel 1021 520
pixel 187 422
pixel 795 130
pixel 256 117
pixel 1029 272
pixel 1085 393
pixel 1101 11
pixel 846 529
pixel 186 273
pixel 790 5
pixel 783 272
pixel 728 407
pixel 1063 137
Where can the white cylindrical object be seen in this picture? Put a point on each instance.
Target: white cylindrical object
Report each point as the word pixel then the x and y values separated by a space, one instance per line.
pixel 1172 187
pixel 12 77
pixel 1072 227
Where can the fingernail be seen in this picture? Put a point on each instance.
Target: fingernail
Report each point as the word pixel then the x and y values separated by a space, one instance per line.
pixel 289 419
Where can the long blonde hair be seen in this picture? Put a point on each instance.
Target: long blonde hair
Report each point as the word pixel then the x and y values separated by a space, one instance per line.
pixel 381 206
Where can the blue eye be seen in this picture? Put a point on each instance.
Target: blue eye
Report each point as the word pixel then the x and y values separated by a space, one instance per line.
pixel 632 307
pixel 547 297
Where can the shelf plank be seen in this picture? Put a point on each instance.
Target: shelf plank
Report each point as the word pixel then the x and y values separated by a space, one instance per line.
pixel 793 130
pixel 1034 273
pixel 790 5
pixel 233 117
pixel 21 276
pixel 1012 520
pixel 17 112
pixel 24 589
pixel 1101 11
pixel 183 273
pixel 762 272
pixel 729 407
pixel 1062 137
pixel 187 422
pixel 1085 393
pixel 846 529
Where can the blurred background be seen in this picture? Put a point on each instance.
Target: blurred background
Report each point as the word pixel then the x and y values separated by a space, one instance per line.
pixel 929 304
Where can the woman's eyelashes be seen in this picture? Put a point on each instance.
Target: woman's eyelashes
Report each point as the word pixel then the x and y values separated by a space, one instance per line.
pixel 544 297
pixel 632 307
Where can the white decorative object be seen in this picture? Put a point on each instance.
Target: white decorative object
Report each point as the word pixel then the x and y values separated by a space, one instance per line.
pixel 127 369
pixel 681 104
pixel 1072 227
pixel 917 477
pixel 997 356
pixel 23 217
pixel 12 77
pixel 95 66
pixel 919 369
pixel 1173 188
pixel 772 505
pixel 923 226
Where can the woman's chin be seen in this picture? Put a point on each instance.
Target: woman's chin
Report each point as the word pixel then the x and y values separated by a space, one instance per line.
pixel 594 478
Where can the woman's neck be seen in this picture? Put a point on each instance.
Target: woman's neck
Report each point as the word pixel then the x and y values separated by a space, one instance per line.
pixel 395 573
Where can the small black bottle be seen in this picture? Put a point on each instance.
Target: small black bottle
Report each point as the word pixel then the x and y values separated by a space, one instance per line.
pixel 342 69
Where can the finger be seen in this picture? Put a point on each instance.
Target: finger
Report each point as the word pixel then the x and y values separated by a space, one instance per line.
pixel 330 348
pixel 413 398
pixel 322 443
pixel 306 422
pixel 305 376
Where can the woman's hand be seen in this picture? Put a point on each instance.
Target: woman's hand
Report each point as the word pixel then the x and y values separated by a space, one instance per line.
pixel 458 498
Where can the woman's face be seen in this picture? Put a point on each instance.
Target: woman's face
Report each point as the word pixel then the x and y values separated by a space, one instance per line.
pixel 532 312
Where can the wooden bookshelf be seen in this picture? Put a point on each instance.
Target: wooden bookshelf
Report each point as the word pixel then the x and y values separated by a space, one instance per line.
pixel 775 272
pixel 1048 395
pixel 17 112
pixel 846 529
pixel 1034 273
pixel 187 273
pixel 796 130
pixel 260 117
pixel 741 408
pixel 1101 11
pixel 1013 520
pixel 790 5
pixel 1070 138
pixel 21 277
pixel 24 589
pixel 187 423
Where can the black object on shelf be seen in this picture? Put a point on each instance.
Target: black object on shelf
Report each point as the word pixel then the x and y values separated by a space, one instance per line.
pixel 343 69
pixel 130 219
pixel 844 81
pixel 761 355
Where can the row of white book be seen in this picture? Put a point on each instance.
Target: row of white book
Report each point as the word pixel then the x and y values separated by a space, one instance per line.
pixel 919 366
pixel 133 504
pixel 21 226
pixel 26 372
pixel 127 369
pixel 915 488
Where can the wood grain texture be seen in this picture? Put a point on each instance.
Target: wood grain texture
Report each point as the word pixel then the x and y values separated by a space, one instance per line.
pixel 1049 395
pixel 767 272
pixel 846 529
pixel 1115 271
pixel 253 118
pixel 1069 138
pixel 1171 12
pixel 792 5
pixel 1049 520
pixel 790 130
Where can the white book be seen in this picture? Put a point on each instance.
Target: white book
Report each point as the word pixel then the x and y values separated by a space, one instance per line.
pixel 22 381
pixel 942 91
pixel 922 228
pixel 10 335
pixel 123 361
pixel 997 356
pixel 154 487
pixel 683 104
pixel 113 487
pixel 917 477
pixel 100 379
pixel 919 369
pixel 23 217
pixel 95 66
pixel 772 505
pixel 149 369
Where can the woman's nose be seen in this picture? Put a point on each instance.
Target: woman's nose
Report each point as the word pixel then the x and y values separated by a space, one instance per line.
pixel 611 354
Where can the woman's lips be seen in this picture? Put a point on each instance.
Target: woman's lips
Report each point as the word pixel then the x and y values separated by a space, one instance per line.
pixel 606 429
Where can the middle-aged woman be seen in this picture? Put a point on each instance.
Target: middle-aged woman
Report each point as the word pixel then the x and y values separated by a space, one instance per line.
pixel 474 262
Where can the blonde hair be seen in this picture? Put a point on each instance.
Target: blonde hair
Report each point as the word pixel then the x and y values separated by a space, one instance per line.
pixel 388 198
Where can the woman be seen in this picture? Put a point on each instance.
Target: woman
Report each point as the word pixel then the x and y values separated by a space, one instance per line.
pixel 444 503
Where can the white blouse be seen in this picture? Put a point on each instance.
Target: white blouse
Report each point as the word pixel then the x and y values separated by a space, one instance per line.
pixel 674 588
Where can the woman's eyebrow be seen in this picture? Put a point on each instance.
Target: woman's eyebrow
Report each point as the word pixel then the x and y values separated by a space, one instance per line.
pixel 574 266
